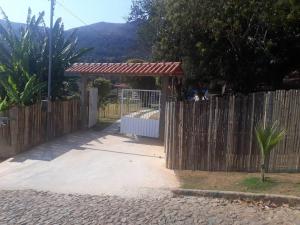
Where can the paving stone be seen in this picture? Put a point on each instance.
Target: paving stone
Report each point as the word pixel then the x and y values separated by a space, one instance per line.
pixel 32 207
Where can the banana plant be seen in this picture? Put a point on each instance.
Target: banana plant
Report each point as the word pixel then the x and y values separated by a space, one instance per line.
pixel 3 104
pixel 268 136
pixel 22 97
pixel 65 53
pixel 27 50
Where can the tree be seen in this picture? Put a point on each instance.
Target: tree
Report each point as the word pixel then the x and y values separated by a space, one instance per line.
pixel 147 15
pixel 267 138
pixel 243 43
pixel 24 54
pixel 65 53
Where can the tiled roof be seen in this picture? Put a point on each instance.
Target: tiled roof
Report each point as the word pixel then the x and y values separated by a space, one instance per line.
pixel 137 69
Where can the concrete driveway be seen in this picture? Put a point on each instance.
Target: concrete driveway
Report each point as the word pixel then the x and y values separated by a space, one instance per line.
pixel 91 162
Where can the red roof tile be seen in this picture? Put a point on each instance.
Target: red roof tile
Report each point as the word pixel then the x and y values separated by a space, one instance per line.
pixel 136 69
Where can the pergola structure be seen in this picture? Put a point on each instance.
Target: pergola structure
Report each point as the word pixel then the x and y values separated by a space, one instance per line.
pixel 167 71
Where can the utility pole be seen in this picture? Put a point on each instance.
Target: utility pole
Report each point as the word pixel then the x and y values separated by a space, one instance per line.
pixel 49 110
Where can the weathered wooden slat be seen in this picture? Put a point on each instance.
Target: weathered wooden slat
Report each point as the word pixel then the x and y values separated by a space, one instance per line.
pixel 218 135
pixel 27 125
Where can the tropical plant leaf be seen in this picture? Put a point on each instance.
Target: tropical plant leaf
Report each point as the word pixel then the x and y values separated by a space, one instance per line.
pixel 25 57
pixel 4 104
pixel 11 90
pixel 268 137
pixel 32 88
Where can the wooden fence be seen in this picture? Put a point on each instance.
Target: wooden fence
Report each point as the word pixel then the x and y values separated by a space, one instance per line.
pixel 218 135
pixel 27 126
pixel 111 111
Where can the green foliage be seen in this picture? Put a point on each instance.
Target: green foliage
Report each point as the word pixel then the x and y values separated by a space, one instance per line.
pixel 27 95
pixel 65 53
pixel 147 15
pixel 3 104
pixel 24 57
pixel 104 88
pixel 267 138
pixel 256 184
pixel 244 43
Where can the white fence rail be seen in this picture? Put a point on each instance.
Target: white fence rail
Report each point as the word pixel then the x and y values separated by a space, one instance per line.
pixel 140 112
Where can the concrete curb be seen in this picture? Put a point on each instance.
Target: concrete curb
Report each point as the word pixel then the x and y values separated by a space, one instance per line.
pixel 231 195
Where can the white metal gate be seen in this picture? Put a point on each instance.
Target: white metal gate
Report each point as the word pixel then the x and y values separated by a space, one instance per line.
pixel 140 112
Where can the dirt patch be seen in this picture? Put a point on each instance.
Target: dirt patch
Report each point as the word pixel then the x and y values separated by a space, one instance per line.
pixel 286 184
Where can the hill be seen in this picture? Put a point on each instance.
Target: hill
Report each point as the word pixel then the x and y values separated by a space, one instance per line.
pixel 111 42
pixel 15 26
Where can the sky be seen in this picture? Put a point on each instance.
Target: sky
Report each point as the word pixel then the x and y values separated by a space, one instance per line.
pixel 74 13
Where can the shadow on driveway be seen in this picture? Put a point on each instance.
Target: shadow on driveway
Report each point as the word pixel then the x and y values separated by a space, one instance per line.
pixel 91 162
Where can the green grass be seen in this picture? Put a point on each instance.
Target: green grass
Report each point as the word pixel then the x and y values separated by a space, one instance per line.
pixel 255 184
pixel 276 183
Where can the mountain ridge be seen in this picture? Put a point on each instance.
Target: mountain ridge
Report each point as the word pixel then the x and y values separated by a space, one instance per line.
pixel 111 42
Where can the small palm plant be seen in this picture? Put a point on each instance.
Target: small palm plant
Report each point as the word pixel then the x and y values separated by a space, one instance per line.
pixel 268 137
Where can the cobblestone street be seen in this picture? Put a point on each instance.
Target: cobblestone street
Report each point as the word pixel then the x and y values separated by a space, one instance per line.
pixel 32 207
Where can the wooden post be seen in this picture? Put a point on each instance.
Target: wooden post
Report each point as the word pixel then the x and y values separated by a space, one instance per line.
pixel 14 129
pixel 164 96
pixel 83 102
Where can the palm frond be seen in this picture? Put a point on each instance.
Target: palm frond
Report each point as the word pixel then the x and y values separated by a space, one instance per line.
pixel 31 89
pixel 4 104
pixel 11 90
pixel 268 137
pixel 29 12
pixel 26 55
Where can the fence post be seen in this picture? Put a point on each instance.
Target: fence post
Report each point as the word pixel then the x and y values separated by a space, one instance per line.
pixel 83 101
pixel 164 95
pixel 251 131
pixel 122 102
pixel 14 129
